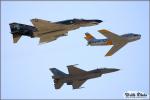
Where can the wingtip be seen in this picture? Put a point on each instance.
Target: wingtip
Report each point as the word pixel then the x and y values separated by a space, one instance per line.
pixel 15 42
pixel 102 30
pixel 107 55
pixel 40 42
pixel 34 20
pixel 72 65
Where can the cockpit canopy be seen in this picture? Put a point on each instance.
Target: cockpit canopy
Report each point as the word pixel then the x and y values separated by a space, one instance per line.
pixel 130 34
pixel 68 22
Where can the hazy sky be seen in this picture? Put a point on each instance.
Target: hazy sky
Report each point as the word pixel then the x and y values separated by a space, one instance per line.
pixel 25 66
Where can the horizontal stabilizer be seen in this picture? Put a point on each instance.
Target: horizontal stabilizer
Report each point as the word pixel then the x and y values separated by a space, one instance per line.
pixel 58 84
pixel 16 37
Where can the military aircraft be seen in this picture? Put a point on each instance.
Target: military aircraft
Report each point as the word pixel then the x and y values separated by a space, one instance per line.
pixel 76 76
pixel 48 31
pixel 118 41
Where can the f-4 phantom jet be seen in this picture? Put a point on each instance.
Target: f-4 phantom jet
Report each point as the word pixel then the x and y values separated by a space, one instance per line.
pixel 48 31
pixel 76 76
pixel 118 41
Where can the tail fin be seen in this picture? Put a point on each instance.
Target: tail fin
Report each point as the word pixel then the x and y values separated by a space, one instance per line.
pixel 15 28
pixel 57 72
pixel 16 37
pixel 89 37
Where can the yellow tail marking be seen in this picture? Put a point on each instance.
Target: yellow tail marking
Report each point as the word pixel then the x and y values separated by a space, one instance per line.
pixel 88 36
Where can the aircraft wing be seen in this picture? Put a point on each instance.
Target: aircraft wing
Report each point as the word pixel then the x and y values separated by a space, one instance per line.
pixel 43 25
pixel 117 41
pixel 112 36
pixel 115 48
pixel 52 36
pixel 77 84
pixel 74 70
pixel 45 39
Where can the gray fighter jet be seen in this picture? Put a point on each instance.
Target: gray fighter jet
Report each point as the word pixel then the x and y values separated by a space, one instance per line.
pixel 48 31
pixel 76 76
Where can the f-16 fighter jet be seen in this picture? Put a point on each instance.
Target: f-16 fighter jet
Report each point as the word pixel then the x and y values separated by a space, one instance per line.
pixel 76 76
pixel 118 41
pixel 48 31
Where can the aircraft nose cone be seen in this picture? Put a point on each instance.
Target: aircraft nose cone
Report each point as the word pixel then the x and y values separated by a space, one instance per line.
pixel 84 22
pixel 109 70
pixel 98 21
pixel 114 70
pixel 94 21
pixel 139 36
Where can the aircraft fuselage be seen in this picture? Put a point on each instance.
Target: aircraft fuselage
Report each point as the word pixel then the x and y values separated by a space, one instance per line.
pixel 130 37
pixel 66 25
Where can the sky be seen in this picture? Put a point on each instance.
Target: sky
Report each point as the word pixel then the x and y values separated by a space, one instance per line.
pixel 25 66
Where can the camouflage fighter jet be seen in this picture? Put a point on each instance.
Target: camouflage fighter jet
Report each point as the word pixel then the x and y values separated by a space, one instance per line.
pixel 76 76
pixel 48 31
